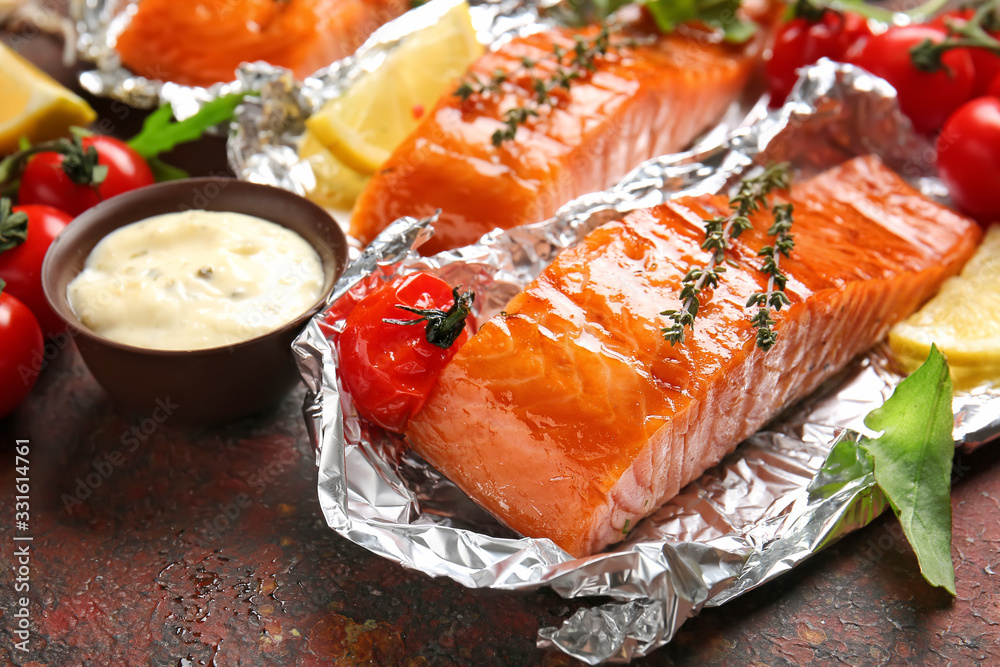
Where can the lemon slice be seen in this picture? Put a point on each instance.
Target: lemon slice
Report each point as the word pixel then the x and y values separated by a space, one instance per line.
pixel 363 126
pixel 337 185
pixel 34 105
pixel 963 319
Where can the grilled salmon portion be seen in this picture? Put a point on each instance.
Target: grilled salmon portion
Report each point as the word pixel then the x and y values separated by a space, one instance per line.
pixel 203 42
pixel 647 96
pixel 569 417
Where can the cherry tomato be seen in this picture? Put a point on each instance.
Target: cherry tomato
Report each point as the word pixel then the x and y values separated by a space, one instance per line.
pixel 986 65
pixel 927 98
pixel 45 180
pixel 969 158
pixel 389 367
pixel 21 261
pixel 22 345
pixel 994 89
pixel 853 36
pixel 801 42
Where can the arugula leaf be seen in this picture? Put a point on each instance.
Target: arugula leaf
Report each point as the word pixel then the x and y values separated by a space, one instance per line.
pixel 717 13
pixel 165 172
pixel 912 460
pixel 160 133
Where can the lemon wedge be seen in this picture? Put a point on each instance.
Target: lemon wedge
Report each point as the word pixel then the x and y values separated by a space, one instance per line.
pixel 34 105
pixel 963 319
pixel 363 126
pixel 337 185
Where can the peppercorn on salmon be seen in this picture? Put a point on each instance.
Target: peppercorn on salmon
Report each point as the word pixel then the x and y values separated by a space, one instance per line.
pixel 569 417
pixel 644 96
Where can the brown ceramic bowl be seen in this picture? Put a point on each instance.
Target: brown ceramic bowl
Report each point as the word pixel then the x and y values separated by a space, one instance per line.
pixel 208 386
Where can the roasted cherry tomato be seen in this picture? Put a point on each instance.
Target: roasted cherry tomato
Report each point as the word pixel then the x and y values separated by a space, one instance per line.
pixel 802 42
pixel 927 98
pixel 969 158
pixel 67 181
pixel 395 343
pixel 985 64
pixel 26 232
pixel 21 345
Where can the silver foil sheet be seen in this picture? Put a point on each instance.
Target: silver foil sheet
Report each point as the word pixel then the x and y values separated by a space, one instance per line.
pixel 269 127
pixel 757 514
pixel 98 22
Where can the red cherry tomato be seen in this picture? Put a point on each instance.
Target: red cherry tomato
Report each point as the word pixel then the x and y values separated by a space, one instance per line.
pixel 854 34
pixel 21 265
pixel 994 89
pixel 389 368
pixel 927 98
pixel 801 42
pixel 46 182
pixel 986 65
pixel 969 158
pixel 22 346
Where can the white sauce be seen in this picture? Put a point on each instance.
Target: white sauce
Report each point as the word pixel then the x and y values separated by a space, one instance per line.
pixel 197 279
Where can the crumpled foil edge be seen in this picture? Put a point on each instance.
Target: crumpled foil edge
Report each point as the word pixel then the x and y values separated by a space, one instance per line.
pixel 97 22
pixel 748 520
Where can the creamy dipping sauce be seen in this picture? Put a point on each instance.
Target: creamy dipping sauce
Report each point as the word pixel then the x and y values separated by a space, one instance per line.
pixel 196 279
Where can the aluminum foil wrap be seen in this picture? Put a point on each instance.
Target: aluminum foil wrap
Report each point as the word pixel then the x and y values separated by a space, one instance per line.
pixel 269 128
pixel 754 516
pixel 98 22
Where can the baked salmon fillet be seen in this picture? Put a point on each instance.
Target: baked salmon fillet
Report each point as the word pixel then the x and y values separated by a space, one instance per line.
pixel 203 42
pixel 569 417
pixel 647 96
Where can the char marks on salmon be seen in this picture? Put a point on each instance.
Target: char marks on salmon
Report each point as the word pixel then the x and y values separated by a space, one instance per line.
pixel 569 417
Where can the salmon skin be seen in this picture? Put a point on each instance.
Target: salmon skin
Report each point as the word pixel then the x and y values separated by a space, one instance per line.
pixel 203 42
pixel 649 96
pixel 569 417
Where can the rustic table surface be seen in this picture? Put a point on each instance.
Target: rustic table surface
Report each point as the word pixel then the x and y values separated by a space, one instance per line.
pixel 155 544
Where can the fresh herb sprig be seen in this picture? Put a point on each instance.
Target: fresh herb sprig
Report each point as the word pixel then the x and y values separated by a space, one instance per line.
pixel 443 326
pixel 570 65
pixel 775 296
pixel 750 198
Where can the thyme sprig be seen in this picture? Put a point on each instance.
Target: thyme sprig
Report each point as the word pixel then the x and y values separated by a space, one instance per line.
pixel 775 296
pixel 749 198
pixel 570 65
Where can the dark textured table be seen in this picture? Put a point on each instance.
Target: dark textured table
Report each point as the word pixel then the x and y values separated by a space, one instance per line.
pixel 155 544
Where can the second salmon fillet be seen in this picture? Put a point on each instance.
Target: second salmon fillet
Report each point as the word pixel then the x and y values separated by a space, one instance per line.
pixel 569 417
pixel 647 97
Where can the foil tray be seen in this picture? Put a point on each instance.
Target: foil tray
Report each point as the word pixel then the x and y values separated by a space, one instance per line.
pixel 756 515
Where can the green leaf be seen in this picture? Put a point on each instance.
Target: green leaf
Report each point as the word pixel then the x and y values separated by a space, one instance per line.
pixel 912 460
pixel 165 172
pixel 160 133
pixel 845 465
pixel 717 13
